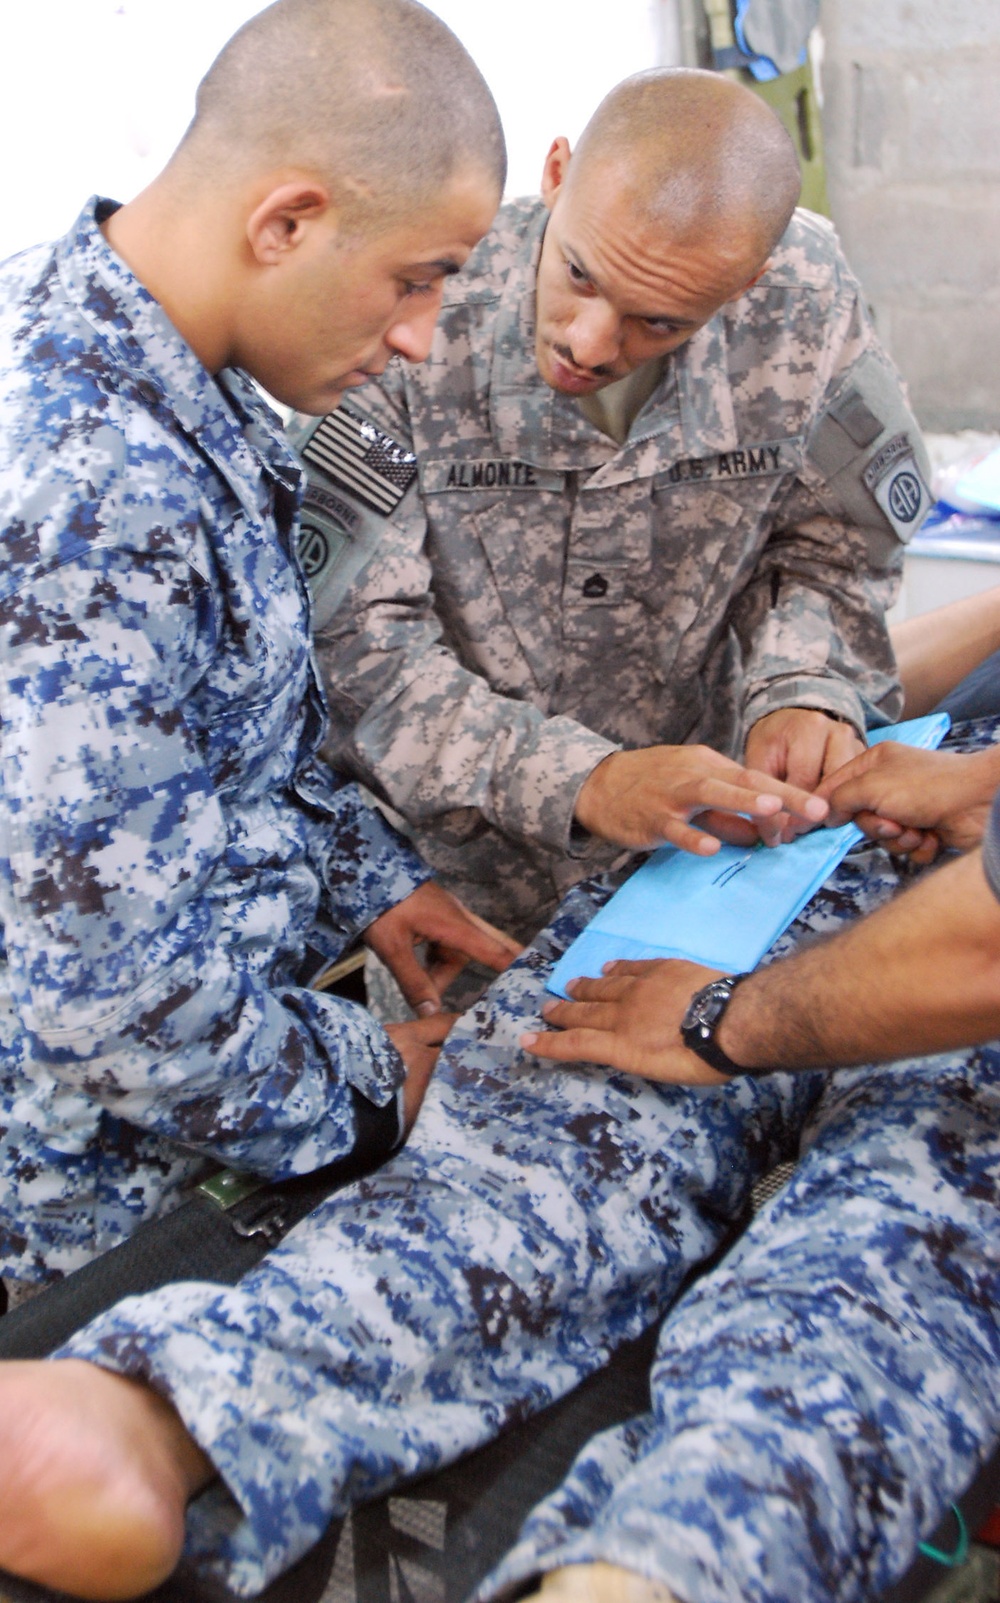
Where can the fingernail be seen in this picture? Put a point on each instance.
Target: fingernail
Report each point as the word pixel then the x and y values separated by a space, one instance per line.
pixel 425 1010
pixel 816 807
pixel 528 1041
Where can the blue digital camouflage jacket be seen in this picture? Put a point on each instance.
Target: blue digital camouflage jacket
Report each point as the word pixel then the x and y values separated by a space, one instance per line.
pixel 168 846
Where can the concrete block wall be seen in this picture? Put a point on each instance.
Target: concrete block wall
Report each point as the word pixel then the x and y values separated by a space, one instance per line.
pixel 911 118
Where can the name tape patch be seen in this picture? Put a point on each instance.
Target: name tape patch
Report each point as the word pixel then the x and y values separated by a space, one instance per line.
pixel 364 461
pixel 486 473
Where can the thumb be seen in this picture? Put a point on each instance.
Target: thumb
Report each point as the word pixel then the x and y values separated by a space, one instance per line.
pixel 413 980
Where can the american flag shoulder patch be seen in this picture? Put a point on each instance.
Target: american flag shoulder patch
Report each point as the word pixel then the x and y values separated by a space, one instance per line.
pixel 361 459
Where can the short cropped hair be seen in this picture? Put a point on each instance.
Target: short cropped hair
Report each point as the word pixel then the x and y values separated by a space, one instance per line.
pixel 377 96
pixel 702 153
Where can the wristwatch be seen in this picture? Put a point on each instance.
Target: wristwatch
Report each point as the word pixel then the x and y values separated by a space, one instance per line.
pixel 704 1014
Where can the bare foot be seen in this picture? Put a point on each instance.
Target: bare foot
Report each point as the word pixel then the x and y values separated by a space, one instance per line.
pixel 599 1583
pixel 95 1475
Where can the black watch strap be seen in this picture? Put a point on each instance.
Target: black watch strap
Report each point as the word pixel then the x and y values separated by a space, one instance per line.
pixel 705 1013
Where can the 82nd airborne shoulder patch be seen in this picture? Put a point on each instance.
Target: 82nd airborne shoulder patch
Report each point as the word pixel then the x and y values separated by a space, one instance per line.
pixel 894 479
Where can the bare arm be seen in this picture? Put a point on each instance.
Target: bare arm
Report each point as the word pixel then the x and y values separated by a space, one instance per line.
pixel 920 975
pixel 937 649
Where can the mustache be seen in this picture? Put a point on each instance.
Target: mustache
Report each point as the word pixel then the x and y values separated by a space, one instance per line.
pixel 566 355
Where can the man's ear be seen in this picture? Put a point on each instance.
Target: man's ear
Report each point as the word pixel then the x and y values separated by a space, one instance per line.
pixel 554 171
pixel 281 221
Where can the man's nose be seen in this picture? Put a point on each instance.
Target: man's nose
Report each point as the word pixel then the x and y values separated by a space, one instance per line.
pixel 411 337
pixel 594 336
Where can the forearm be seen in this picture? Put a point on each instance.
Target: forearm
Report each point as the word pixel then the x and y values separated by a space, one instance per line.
pixel 279 1100
pixel 153 919
pixel 937 649
pixel 433 738
pixel 918 976
pixel 812 622
pixel 367 867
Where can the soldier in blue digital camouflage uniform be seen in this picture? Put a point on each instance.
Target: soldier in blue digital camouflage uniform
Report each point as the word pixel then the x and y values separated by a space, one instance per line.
pixel 174 863
pixel 818 1398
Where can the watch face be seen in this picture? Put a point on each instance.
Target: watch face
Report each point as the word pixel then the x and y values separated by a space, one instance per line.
pixel 708 1004
pixel 702 1018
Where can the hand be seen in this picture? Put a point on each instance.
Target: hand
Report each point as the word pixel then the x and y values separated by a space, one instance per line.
pixel 643 798
pixel 915 801
pixel 418 1042
pixel 454 935
pixel 630 1019
pixel 800 746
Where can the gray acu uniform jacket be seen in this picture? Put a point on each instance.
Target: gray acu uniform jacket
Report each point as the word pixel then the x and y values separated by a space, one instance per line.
pixel 540 596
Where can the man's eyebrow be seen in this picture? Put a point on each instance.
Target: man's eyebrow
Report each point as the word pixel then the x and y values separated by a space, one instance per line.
pixel 668 317
pixel 644 317
pixel 446 266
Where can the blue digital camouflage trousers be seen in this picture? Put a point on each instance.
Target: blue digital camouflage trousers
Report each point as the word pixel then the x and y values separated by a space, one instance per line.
pixel 819 1397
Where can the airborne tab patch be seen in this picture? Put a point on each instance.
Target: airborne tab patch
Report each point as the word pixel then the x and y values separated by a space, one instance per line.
pixel 365 462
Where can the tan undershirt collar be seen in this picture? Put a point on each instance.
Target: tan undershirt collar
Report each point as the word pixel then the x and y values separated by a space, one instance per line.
pixel 614 409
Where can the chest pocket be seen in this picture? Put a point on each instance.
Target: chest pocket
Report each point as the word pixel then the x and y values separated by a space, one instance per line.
pixel 606 576
pixel 698 542
pixel 498 563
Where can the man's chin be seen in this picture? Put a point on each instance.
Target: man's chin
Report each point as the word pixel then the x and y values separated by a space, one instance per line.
pixel 567 382
pixel 318 403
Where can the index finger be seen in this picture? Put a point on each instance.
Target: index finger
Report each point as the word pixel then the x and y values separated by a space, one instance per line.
pixel 843 744
pixel 573 1046
pixel 504 947
pixel 433 1029
pixel 801 803
pixel 444 964
pixel 836 785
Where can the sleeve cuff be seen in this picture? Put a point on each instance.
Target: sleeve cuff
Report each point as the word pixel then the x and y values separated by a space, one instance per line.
pixel 834 696
pixel 542 790
pixel 369 868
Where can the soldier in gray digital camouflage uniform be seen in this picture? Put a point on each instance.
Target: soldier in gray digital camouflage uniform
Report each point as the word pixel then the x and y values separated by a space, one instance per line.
pixel 649 489
pixel 174 862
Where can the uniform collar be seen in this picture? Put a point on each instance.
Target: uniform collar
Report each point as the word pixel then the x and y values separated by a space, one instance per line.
pixel 226 416
pixel 530 422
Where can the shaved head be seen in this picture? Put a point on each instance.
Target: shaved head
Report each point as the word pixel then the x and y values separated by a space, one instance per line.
pixel 698 154
pixel 669 208
pixel 377 97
